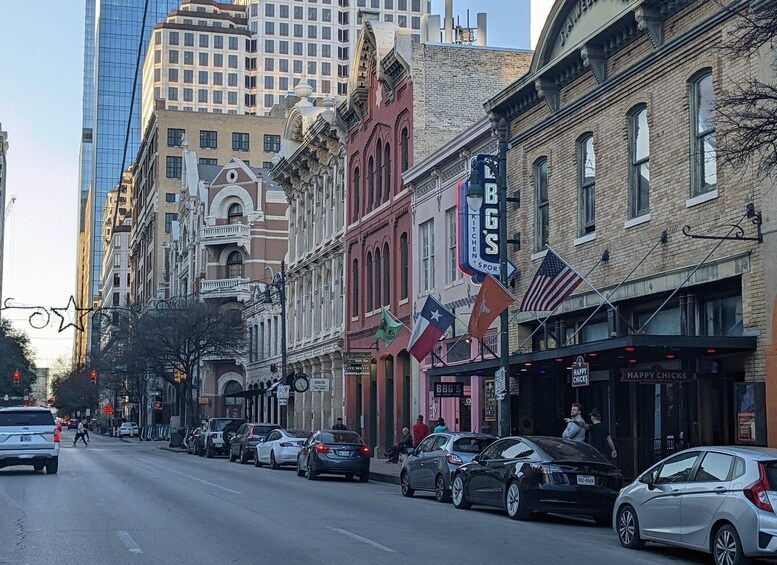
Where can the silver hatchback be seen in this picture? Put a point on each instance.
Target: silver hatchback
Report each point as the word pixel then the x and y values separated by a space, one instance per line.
pixel 720 500
pixel 430 465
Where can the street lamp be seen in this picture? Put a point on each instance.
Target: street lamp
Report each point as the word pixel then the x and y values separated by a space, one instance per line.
pixel 475 195
pixel 279 283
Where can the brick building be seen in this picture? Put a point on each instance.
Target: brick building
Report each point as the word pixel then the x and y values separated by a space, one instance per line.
pixel 679 357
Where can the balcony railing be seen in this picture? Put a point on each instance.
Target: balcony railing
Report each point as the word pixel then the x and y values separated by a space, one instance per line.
pixel 226 288
pixel 239 234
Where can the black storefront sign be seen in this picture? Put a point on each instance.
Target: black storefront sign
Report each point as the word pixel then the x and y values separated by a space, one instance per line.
pixel 448 390
pixel 656 375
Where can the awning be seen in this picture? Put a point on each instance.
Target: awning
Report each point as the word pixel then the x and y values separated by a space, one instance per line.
pixel 247 393
pixel 612 352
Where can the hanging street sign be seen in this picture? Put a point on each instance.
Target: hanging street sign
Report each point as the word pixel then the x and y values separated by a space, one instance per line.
pixel 320 385
pixel 580 372
pixel 656 375
pixel 501 385
pixel 356 363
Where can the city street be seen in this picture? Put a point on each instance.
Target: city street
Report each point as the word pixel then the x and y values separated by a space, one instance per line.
pixel 121 502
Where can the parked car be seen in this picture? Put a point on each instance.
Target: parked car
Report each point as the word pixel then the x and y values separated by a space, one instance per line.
pixel 29 436
pixel 280 448
pixel 430 466
pixel 191 441
pixel 128 429
pixel 532 474
pixel 218 435
pixel 243 445
pixel 334 452
pixel 720 500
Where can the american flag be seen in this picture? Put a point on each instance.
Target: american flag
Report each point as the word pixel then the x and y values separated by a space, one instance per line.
pixel 553 282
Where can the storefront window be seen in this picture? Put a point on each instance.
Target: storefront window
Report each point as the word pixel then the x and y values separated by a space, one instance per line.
pixel 723 316
pixel 666 322
pixel 594 332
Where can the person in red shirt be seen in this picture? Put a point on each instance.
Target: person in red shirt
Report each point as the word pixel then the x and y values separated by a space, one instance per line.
pixel 420 431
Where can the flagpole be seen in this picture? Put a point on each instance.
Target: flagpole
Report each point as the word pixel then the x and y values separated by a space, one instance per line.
pixel 596 290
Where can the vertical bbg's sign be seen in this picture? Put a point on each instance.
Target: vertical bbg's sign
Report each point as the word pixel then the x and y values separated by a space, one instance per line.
pixel 479 231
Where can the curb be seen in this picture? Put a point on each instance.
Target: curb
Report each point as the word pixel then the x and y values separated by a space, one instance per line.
pixel 172 449
pixel 383 478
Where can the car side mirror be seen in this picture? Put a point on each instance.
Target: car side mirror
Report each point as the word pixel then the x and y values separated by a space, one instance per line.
pixel 476 459
pixel 648 479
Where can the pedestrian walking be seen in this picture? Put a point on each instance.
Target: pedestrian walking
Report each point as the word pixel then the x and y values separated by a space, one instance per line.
pixel 420 430
pixel 441 427
pixel 576 425
pixel 599 436
pixel 86 434
pixel 339 425
pixel 80 433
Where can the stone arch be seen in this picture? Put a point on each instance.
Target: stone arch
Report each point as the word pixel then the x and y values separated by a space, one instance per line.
pixel 230 195
pixel 226 377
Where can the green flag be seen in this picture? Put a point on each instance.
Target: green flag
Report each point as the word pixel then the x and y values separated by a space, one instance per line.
pixel 389 327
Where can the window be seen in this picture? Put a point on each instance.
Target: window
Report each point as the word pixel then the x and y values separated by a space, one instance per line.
pixel 284 11
pixel 356 195
pixel 188 39
pixel 233 60
pixel 232 99
pixel 587 181
pixel 117 260
pixel 172 75
pixel 174 137
pixel 451 257
pixel 240 141
pixel 426 231
pixel 677 469
pixel 269 10
pixel 404 143
pixel 542 209
pixel 369 282
pixel 378 279
pixel 704 175
pixel 715 467
pixel 173 167
pixel 202 96
pixel 173 38
pixel 188 95
pixel 218 60
pixel 269 100
pixel 297 68
pixel 188 57
pixel 404 267
pixel 218 41
pixel 233 43
pixel 203 59
pixel 379 170
pixel 312 52
pixel 235 213
pixel 386 275
pixel 298 14
pixel 269 82
pixel 234 265
pixel 207 161
pixel 723 316
pixel 355 287
pixel 208 139
pixel 173 56
pixel 202 77
pixel 169 219
pixel 387 166
pixel 232 79
pixel 203 40
pixel 371 182
pixel 272 143
pixel 218 79
pixel 188 76
pixel 170 197
pixel 269 28
pixel 312 32
pixel 116 277
pixel 639 158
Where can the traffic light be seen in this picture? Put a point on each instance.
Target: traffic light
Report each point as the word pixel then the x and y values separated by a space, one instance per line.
pixel 93 376
pixel 16 376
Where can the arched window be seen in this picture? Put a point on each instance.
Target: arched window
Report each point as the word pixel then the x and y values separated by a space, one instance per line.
pixel 230 388
pixel 355 288
pixel 379 182
pixel 378 279
pixel 235 213
pixel 386 275
pixel 371 181
pixel 235 265
pixel 587 182
pixel 369 283
pixel 356 195
pixel 704 175
pixel 404 143
pixel 639 162
pixel 404 267
pixel 387 163
pixel 542 213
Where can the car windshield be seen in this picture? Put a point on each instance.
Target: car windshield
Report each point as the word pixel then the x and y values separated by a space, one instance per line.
pixel 221 424
pixel 563 450
pixel 340 437
pixel 471 444
pixel 26 418
pixel 298 433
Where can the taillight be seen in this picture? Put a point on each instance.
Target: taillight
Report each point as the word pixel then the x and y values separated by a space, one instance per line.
pixel 551 474
pixel 321 448
pixel 365 450
pixel 56 435
pixel 454 459
pixel 756 493
pixel 251 433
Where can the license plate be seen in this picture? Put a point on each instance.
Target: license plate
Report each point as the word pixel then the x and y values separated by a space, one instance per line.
pixel 586 480
pixel 25 438
pixel 343 453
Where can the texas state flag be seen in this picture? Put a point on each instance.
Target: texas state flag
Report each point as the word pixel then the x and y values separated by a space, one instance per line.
pixel 428 329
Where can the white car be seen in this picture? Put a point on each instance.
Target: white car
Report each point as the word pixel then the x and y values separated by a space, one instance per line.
pixel 29 436
pixel 280 448
pixel 128 429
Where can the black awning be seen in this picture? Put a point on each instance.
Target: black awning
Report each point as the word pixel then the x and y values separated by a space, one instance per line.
pixel 246 393
pixel 607 353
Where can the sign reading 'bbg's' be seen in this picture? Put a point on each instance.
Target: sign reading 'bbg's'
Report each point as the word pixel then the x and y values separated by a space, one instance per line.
pixel 479 231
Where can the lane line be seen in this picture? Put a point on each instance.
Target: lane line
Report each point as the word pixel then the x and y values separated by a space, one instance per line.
pixel 128 542
pixel 362 539
pixel 190 477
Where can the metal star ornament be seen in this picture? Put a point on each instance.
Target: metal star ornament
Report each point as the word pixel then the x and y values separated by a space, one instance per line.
pixel 74 315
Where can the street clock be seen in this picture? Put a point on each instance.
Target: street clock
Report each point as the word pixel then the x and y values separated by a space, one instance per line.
pixel 301 382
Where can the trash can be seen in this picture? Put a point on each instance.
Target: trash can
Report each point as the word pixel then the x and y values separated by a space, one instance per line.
pixel 176 438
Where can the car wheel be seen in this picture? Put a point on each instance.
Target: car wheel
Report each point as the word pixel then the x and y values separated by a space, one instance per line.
pixel 627 525
pixel 38 467
pixel 52 466
pixel 300 472
pixel 514 505
pixel 404 482
pixel 273 462
pixel 257 463
pixel 727 547
pixel 349 476
pixel 459 498
pixel 310 472
pixel 232 458
pixel 440 492
pixel 364 477
pixel 209 451
pixel 243 456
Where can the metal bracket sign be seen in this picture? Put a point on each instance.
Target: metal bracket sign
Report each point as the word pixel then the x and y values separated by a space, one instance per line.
pixel 580 372
pixel 283 394
pixel 320 385
pixel 479 231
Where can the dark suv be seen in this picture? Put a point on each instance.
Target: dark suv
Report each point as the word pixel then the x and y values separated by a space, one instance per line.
pixel 243 445
pixel 219 433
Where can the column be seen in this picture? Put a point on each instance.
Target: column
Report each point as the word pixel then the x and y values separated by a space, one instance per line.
pixel 316 398
pixel 326 397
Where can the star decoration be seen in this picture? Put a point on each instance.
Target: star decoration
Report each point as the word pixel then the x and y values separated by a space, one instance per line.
pixel 436 315
pixel 74 315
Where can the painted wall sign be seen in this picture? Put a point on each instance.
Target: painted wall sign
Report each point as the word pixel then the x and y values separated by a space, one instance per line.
pixel 656 375
pixel 449 390
pixel 580 372
pixel 479 231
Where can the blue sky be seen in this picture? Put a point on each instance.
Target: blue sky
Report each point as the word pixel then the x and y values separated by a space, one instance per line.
pixel 40 108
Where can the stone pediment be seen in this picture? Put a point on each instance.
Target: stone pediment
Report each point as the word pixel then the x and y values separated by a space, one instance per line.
pixel 234 172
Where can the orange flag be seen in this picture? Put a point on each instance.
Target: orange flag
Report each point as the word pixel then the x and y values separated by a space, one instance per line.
pixel 492 300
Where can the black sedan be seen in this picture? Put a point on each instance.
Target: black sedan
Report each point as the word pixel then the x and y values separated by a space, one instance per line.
pixel 243 445
pixel 334 452
pixel 525 475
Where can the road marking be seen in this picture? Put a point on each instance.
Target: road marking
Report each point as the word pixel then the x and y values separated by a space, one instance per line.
pixel 362 539
pixel 190 477
pixel 128 542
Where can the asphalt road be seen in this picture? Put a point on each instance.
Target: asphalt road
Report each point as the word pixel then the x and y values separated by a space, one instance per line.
pixel 132 503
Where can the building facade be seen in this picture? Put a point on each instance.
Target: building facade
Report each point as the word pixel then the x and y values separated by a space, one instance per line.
pixel 675 355
pixel 311 170
pixel 3 177
pixel 398 114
